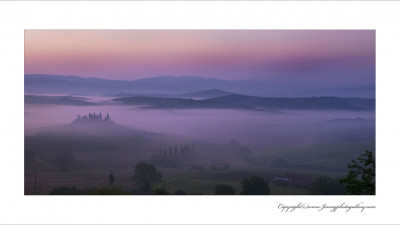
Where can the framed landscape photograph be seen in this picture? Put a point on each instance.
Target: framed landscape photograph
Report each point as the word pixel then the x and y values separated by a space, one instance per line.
pixel 199 112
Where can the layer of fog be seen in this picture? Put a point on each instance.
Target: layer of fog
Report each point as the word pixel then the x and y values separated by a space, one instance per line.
pixel 217 125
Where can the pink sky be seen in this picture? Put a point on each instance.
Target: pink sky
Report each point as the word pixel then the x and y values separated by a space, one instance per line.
pixel 224 54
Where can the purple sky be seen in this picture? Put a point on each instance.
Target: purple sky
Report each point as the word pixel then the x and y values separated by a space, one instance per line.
pixel 331 55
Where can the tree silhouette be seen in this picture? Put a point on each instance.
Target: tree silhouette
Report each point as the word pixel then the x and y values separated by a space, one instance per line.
pixel 361 177
pixel 145 175
pixel 255 186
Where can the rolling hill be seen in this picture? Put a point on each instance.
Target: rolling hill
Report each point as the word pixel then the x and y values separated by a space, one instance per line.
pixel 56 100
pixel 236 101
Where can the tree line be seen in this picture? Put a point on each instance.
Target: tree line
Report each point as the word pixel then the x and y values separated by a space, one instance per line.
pixel 360 180
pixel 184 149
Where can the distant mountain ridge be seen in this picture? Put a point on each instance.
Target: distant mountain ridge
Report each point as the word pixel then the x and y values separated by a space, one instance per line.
pixel 211 93
pixel 171 85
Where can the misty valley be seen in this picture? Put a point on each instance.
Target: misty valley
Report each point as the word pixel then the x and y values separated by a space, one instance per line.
pixel 199 143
